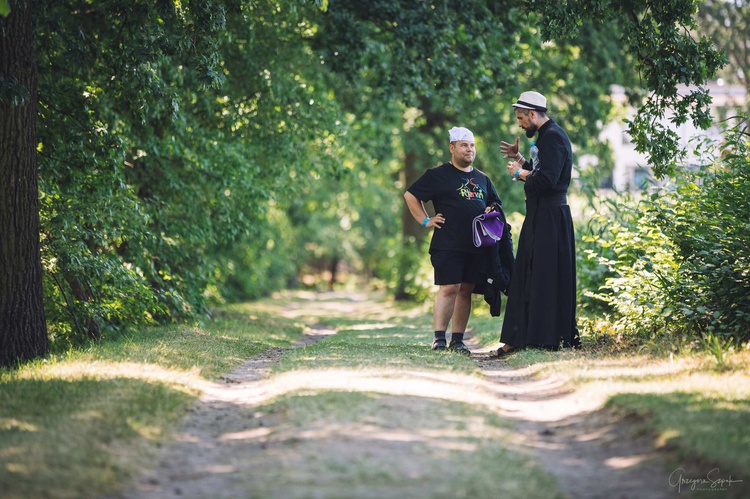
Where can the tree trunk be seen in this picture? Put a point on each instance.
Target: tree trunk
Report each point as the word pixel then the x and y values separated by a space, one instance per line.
pixel 412 234
pixel 333 267
pixel 23 329
pixel 79 292
pixel 415 163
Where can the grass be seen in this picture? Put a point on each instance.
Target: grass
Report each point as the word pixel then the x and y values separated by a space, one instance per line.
pixel 84 423
pixel 373 412
pixel 695 408
pixel 392 347
pixel 76 437
pixel 395 446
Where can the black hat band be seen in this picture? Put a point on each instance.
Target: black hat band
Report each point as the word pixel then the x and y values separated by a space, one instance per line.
pixel 532 106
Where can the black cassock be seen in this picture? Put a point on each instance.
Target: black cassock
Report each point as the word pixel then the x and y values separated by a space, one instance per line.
pixel 541 306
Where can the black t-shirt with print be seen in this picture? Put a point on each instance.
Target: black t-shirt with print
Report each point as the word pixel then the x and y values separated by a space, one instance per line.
pixel 459 196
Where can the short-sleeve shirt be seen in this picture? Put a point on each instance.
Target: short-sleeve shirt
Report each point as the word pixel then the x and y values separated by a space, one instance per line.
pixel 459 196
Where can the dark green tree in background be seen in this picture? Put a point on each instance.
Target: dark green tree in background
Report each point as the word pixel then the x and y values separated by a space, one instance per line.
pixel 666 51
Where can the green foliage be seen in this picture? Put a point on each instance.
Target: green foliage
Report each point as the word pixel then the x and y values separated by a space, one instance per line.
pixel 626 266
pixel 161 149
pixel 196 152
pixel 103 237
pixel 718 347
pixel 436 47
pixel 727 23
pixel 708 226
pixel 258 265
pixel 594 252
pixel 660 38
pixel 677 261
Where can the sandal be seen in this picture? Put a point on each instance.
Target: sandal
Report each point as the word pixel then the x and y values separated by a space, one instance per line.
pixel 500 353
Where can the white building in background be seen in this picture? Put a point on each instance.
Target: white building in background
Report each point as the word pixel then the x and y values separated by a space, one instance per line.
pixel 631 169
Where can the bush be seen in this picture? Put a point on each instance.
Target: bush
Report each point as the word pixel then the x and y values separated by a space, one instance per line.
pixel 709 226
pixel 677 262
pixel 641 269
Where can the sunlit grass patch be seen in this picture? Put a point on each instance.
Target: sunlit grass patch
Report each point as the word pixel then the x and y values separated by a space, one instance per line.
pixel 213 348
pixel 80 437
pixel 386 347
pixel 342 308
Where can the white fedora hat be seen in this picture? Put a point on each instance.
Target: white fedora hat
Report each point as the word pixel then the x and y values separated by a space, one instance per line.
pixel 532 100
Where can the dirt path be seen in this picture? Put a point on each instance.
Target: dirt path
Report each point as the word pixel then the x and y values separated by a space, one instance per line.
pixel 224 438
pixel 590 452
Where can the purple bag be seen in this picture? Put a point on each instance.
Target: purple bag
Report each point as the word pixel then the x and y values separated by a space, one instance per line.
pixel 487 229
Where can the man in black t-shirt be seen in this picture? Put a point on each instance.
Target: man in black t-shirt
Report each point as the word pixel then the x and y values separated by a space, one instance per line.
pixel 459 192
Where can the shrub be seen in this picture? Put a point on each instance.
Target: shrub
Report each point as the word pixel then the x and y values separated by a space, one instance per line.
pixel 677 262
pixel 709 226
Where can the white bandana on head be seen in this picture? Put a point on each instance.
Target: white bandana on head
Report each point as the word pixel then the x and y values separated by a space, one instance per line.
pixel 460 133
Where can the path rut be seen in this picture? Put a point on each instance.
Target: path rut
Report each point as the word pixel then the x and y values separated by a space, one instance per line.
pixel 590 452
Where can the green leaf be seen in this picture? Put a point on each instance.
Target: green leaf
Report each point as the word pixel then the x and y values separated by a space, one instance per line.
pixel 4 8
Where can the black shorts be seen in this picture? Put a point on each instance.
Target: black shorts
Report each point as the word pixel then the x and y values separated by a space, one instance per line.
pixel 454 267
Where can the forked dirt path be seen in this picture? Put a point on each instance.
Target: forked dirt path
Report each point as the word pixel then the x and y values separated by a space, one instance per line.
pixel 590 453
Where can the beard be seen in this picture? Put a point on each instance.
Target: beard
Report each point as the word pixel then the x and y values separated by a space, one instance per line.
pixel 531 131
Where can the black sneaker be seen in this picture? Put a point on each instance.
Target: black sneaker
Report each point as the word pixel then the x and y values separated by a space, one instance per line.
pixel 458 346
pixel 438 344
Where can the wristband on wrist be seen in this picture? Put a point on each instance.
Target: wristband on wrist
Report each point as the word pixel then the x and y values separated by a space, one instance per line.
pixel 518 173
pixel 425 221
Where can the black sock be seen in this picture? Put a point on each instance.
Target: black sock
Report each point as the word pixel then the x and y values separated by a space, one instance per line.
pixel 456 337
pixel 440 335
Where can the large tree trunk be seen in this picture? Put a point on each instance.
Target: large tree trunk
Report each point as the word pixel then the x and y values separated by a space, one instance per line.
pixel 23 330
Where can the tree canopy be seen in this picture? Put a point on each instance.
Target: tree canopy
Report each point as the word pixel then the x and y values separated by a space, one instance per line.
pixel 192 152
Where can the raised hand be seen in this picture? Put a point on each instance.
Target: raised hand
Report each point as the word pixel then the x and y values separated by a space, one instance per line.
pixel 510 150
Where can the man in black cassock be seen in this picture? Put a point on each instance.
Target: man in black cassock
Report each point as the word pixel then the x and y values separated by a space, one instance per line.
pixel 541 307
